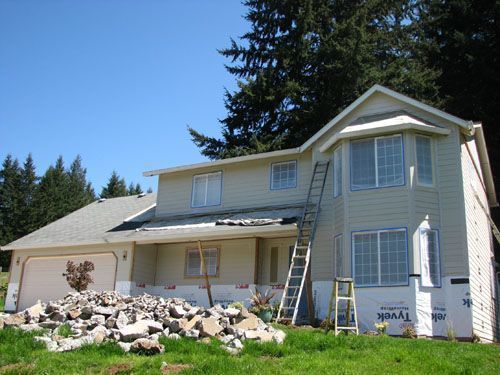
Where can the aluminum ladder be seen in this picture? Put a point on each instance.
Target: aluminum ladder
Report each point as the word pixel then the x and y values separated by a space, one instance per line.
pixel 299 265
pixel 336 298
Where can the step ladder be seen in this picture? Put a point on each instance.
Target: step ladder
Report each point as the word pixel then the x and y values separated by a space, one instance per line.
pixel 299 265
pixel 336 298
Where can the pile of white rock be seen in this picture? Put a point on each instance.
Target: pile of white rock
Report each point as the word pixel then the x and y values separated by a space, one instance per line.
pixel 136 323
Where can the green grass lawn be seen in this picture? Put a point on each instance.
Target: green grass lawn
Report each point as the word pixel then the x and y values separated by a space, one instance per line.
pixel 304 351
pixel 4 276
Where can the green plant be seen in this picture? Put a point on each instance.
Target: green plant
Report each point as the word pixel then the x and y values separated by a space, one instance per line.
pixel 276 308
pixel 64 330
pixel 260 302
pixel 450 332
pixel 236 305
pixel 381 327
pixel 409 331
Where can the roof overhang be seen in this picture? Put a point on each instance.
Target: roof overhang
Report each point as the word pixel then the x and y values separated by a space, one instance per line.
pixel 394 123
pixel 485 165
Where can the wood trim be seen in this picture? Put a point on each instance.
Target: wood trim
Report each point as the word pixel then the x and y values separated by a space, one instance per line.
pixel 132 260
pixel 59 256
pixel 256 265
pixel 156 264
pixel 10 268
pixel 475 166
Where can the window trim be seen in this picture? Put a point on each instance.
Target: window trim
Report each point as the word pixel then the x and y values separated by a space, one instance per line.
pixel 419 183
pixel 341 236
pixel 194 249
pixel 403 162
pixel 339 193
pixel 271 174
pixel 421 231
pixel 220 193
pixel 369 231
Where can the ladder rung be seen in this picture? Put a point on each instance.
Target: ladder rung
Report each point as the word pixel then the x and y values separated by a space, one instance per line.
pixel 345 297
pixel 347 328
pixel 302 247
pixel 296 277
pixel 300 256
pixel 290 297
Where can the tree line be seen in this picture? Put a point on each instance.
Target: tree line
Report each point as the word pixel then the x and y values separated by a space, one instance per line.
pixel 29 201
pixel 303 61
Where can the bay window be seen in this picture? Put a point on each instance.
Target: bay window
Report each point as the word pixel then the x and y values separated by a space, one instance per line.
pixel 337 172
pixel 423 148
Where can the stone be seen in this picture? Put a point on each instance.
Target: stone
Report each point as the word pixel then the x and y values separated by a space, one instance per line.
pixel 262 336
pixel 232 312
pixel 177 311
pixel 152 325
pixel 133 332
pixel 102 310
pixel 279 336
pixel 192 323
pixel 34 311
pixel 74 314
pixel 209 327
pixel 227 339
pixel 192 334
pixel 49 324
pixel 192 312
pixel 110 322
pixel 14 320
pixel 236 344
pixel 125 346
pixel 30 327
pixel 174 336
pixel 52 346
pixel 98 320
pixel 146 346
pixel 98 334
pixel 86 312
pixel 69 344
pixel 1 322
pixel 177 325
pixel 154 337
pixel 232 351
pixel 206 340
pixel 121 320
pixel 249 323
pixel 57 316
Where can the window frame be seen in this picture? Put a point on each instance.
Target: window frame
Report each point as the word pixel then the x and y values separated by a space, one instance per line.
pixel 340 237
pixel 206 189
pixel 196 250
pixel 420 183
pixel 377 186
pixel 423 230
pixel 378 231
pixel 294 161
pixel 337 190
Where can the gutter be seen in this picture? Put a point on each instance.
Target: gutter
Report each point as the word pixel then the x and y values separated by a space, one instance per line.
pixel 484 160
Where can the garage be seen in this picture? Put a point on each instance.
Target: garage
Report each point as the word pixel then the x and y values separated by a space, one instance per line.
pixel 42 276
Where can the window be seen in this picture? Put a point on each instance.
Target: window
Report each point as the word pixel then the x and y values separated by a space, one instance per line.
pixel 429 258
pixel 273 270
pixel 424 160
pixel 194 267
pixel 377 162
pixel 207 189
pixel 284 175
pixel 337 172
pixel 339 256
pixel 380 258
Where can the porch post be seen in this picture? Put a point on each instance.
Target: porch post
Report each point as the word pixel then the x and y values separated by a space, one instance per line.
pixel 205 272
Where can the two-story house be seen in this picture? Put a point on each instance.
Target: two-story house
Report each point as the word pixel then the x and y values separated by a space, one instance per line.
pixel 404 212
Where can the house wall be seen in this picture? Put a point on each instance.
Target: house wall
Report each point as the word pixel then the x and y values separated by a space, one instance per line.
pixel 123 271
pixel 144 267
pixel 244 185
pixel 479 243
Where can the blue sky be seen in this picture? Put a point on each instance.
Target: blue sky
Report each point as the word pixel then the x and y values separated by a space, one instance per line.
pixel 112 80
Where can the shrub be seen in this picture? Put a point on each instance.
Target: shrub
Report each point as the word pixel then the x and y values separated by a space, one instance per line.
pixel 236 305
pixel 64 330
pixel 78 277
pixel 381 327
pixel 260 302
pixel 450 332
pixel 409 332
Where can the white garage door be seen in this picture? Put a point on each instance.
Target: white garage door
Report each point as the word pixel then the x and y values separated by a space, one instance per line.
pixel 43 280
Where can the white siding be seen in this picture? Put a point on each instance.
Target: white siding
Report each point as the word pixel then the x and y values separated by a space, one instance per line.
pixel 480 250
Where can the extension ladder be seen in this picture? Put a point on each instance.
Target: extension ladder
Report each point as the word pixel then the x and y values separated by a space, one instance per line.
pixel 299 265
pixel 349 297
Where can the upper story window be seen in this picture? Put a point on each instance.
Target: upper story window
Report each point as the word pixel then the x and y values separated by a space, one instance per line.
pixel 423 148
pixel 284 175
pixel 207 189
pixel 337 172
pixel 377 162
pixel 380 257
pixel 429 258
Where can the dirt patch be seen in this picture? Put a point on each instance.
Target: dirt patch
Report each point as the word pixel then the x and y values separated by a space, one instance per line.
pixel 116 369
pixel 16 366
pixel 174 368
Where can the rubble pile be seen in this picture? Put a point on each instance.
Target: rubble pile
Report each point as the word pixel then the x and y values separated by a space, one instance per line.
pixel 136 323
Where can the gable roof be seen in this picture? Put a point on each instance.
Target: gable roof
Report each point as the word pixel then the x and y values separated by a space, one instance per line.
pixel 98 222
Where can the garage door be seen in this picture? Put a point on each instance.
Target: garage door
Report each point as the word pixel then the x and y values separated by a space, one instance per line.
pixel 42 277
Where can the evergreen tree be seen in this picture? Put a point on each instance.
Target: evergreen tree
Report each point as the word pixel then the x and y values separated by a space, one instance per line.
pixel 10 204
pixel 80 191
pixel 28 191
pixel 303 61
pixel 134 189
pixel 150 190
pixel 116 187
pixel 53 197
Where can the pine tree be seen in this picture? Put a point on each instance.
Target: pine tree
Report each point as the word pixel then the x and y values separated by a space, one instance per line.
pixel 10 204
pixel 28 191
pixel 53 197
pixel 150 190
pixel 116 187
pixel 134 189
pixel 303 61
pixel 80 191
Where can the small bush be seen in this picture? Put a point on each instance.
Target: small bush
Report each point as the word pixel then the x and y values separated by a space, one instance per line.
pixel 236 305
pixel 78 277
pixel 451 333
pixel 409 332
pixel 381 327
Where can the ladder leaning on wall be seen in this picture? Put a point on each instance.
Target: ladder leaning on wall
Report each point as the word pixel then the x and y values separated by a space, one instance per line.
pixel 299 265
